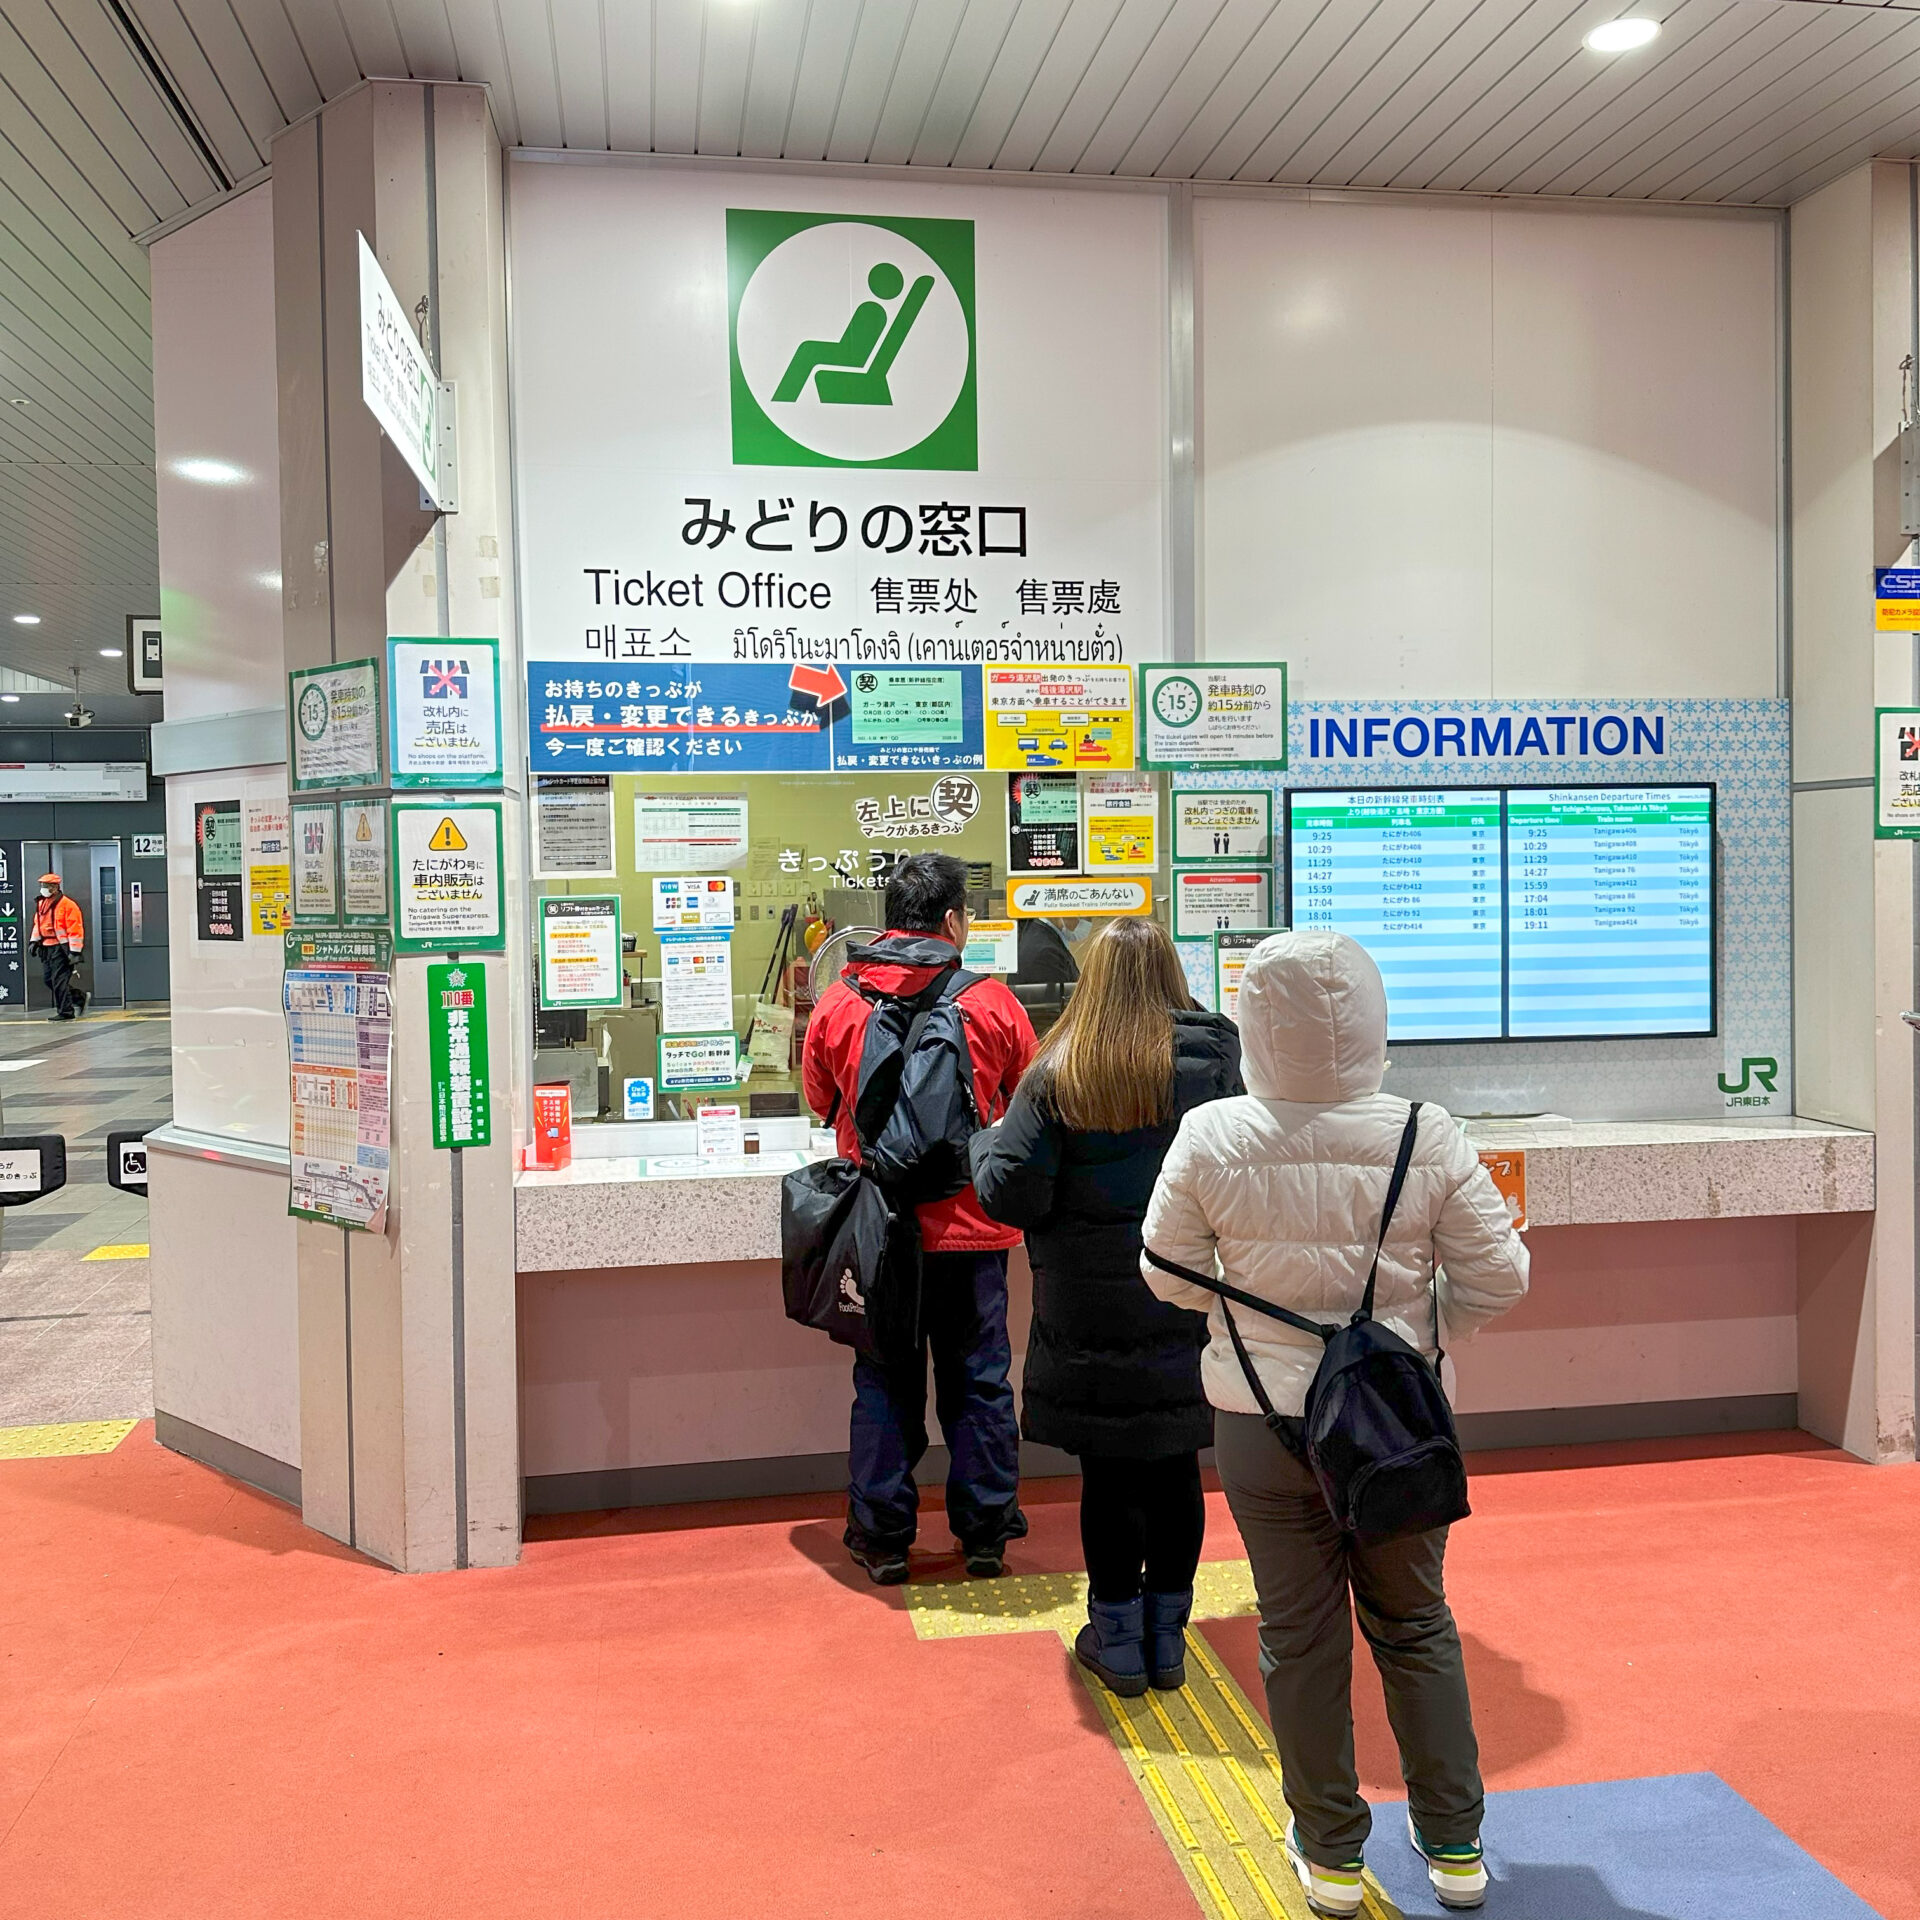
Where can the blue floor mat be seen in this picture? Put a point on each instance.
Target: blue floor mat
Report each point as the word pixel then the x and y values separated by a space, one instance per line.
pixel 1685 1847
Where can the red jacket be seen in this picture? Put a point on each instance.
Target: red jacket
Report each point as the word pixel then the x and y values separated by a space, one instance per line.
pixel 999 1038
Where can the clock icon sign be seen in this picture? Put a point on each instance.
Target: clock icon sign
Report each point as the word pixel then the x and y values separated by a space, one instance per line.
pixel 1176 701
pixel 313 711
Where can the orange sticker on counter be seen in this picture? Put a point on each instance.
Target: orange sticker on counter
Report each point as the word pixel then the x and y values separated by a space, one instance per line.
pixel 1509 1170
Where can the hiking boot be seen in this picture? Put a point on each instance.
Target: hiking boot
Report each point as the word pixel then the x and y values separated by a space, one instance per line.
pixel 1167 1616
pixel 987 1563
pixel 1330 1890
pixel 1458 1874
pixel 886 1566
pixel 1113 1645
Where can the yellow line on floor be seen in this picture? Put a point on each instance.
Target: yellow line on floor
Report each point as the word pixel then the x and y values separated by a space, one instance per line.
pixel 70 1437
pixel 1053 1602
pixel 129 1250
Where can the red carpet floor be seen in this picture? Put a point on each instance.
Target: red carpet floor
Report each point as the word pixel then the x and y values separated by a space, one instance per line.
pixel 207 1711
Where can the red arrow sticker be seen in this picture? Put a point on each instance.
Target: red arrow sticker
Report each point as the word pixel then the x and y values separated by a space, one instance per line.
pixel 822 685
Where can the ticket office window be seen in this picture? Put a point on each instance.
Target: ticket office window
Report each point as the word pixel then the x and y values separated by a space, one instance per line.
pixel 821 844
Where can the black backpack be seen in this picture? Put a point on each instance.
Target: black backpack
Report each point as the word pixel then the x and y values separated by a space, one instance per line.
pixel 1378 1433
pixel 849 1237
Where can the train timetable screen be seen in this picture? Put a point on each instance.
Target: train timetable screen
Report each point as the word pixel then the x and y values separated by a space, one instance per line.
pixel 1527 913
pixel 1415 878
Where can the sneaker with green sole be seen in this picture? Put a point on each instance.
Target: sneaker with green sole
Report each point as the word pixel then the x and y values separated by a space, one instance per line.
pixel 1458 1874
pixel 1330 1890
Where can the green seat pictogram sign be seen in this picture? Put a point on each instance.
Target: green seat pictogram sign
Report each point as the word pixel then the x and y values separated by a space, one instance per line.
pixel 852 341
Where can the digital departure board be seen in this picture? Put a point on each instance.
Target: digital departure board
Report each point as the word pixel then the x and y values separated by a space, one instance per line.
pixel 1416 879
pixel 1523 912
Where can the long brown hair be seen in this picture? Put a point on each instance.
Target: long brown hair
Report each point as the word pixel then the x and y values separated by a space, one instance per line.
pixel 1107 1064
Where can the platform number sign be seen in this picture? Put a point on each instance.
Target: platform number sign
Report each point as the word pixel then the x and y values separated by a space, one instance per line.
pixel 13 940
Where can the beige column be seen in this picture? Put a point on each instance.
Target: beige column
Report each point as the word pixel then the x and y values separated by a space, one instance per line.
pixel 1852 320
pixel 409 1420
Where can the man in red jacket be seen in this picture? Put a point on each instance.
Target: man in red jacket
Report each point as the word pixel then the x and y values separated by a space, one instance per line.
pixel 964 1289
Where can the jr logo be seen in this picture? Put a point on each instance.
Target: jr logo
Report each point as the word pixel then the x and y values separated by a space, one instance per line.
pixel 1757 1069
pixel 852 341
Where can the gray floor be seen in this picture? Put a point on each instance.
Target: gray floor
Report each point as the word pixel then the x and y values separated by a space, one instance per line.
pixel 74 1331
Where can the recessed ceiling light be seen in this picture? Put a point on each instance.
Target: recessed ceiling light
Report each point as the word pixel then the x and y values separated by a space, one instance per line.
pixel 12 699
pixel 111 653
pixel 26 619
pixel 1622 36
pixel 209 473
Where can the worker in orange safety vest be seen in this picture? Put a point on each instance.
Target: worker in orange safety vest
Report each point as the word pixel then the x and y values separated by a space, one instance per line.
pixel 59 934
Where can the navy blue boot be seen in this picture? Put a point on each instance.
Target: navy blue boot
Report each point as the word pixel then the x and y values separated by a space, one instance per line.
pixel 1113 1645
pixel 1166 1625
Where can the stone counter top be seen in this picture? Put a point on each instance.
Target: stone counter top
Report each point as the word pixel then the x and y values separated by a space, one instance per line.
pixel 626 1213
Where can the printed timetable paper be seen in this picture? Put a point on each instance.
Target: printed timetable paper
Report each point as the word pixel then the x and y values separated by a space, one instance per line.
pixel 337 995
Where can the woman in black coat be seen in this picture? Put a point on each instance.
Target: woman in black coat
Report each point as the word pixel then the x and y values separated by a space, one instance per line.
pixel 1112 1373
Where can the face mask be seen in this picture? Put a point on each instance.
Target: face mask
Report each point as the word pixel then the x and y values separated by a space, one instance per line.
pixel 46 893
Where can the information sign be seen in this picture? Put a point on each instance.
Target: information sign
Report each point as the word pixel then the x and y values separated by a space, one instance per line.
pixel 457 1054
pixel 1120 815
pixel 673 832
pixel 269 867
pixel 446 870
pixel 1059 717
pixel 366 896
pixel 1223 823
pixel 1896 773
pixel 1232 948
pixel 444 700
pixel 993 946
pixel 333 725
pixel 636 1099
pixel 1896 599
pixel 218 854
pixel 689 1060
pixel 316 876
pixel 397 380
pixel 696 981
pixel 718 1133
pixel 580 951
pixel 338 996
pixel 689 901
pixel 12 929
pixel 909 720
pixel 1210 900
pixel 1078 899
pixel 1231 715
pixel 1043 823
pixel 1508 1166
pixel 573 826
pixel 149 846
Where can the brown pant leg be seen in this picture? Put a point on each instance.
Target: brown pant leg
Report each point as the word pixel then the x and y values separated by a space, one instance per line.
pixel 1400 1596
pixel 1306 1632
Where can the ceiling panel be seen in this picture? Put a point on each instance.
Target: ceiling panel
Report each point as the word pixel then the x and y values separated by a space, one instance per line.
pixel 116 115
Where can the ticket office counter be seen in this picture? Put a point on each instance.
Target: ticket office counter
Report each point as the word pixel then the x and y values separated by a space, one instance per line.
pixel 1670 1264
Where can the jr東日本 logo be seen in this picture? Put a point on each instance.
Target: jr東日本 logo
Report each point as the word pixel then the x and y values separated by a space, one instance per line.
pixel 852 341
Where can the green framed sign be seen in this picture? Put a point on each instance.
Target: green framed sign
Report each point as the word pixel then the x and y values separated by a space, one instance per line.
pixel 316 862
pixel 1213 899
pixel 1196 715
pixel 1896 773
pixel 366 885
pixel 580 950
pixel 457 1054
pixel 333 726
pixel 1221 826
pixel 443 713
pixel 691 1060
pixel 447 872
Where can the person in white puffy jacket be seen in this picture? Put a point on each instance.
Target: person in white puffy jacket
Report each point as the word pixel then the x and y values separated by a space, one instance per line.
pixel 1280 1192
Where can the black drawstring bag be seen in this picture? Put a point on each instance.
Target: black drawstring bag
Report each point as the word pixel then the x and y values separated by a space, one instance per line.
pixel 1378 1433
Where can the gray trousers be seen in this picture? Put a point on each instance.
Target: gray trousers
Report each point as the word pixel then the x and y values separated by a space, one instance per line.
pixel 1303 1569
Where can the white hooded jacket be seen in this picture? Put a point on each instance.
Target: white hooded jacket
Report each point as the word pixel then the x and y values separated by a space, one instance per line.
pixel 1280 1191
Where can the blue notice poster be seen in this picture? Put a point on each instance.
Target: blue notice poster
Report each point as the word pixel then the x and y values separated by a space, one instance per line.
pixel 684 716
pixel 678 716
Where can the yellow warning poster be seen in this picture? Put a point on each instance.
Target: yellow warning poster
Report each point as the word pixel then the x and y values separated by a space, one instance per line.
pixel 1121 816
pixel 446 876
pixel 1068 717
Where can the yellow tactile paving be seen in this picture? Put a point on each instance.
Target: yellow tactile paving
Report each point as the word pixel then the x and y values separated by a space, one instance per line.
pixel 130 1250
pixel 70 1437
pixel 1201 1757
pixel 1054 1602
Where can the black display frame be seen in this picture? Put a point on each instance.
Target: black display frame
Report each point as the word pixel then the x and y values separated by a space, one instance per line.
pixel 1504 788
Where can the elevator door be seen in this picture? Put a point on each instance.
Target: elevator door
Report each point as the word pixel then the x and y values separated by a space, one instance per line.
pixel 90 873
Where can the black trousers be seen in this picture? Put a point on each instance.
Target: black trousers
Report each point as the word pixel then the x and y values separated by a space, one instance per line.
pixel 57 968
pixel 1140 1521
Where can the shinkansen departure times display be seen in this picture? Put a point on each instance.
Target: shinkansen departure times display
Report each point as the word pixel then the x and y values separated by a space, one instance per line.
pixel 1525 912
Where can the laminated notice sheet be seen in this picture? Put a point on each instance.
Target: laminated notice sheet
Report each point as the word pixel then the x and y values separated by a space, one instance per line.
pixel 338 997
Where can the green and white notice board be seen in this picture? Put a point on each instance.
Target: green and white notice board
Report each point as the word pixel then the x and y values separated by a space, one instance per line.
pixel 1194 716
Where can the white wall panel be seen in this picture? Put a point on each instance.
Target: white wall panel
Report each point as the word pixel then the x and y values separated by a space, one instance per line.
pixel 1634 466
pixel 216 398
pixel 1346 442
pixel 1466 449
